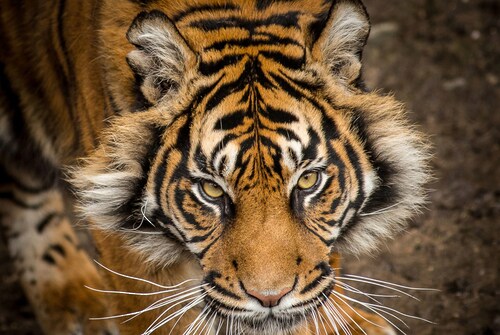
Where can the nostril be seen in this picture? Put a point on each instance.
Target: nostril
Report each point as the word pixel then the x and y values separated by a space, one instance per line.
pixel 269 300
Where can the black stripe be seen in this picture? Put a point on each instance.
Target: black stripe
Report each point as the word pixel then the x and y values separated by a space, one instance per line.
pixel 210 279
pixel 385 193
pixel 48 259
pixel 68 85
pixel 134 204
pixel 285 60
pixel 325 270
pixel 23 151
pixel 11 197
pixel 202 8
pixel 208 68
pixel 143 3
pixel 286 20
pixel 229 122
pixel 264 4
pixel 225 90
pixel 222 307
pixel 202 253
pixel 279 115
pixel 220 45
pixel 40 227
pixel 58 249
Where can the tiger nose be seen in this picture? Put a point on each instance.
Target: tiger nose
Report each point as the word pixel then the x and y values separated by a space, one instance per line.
pixel 269 300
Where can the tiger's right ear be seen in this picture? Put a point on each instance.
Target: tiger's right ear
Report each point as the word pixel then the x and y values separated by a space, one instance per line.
pixel 338 38
pixel 162 56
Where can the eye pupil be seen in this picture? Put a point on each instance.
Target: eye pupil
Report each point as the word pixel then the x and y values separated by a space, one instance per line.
pixel 212 190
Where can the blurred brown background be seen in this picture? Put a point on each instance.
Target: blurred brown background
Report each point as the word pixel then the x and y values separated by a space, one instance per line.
pixel 442 59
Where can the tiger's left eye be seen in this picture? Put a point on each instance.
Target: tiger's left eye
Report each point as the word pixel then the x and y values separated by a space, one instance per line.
pixel 308 180
pixel 212 190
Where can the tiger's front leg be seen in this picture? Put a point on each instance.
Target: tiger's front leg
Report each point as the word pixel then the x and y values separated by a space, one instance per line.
pixel 51 265
pixel 338 317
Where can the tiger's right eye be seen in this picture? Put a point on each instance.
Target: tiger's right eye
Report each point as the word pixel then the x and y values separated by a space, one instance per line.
pixel 212 190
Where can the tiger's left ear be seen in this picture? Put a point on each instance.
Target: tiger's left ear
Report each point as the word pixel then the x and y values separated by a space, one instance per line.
pixel 338 40
pixel 162 57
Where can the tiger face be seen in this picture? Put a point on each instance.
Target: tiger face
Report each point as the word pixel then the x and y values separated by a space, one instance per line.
pixel 265 187
pixel 256 152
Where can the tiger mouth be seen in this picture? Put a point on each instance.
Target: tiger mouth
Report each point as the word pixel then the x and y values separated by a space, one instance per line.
pixel 271 322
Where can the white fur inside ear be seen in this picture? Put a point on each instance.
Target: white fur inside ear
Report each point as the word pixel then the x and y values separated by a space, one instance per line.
pixel 161 57
pixel 343 40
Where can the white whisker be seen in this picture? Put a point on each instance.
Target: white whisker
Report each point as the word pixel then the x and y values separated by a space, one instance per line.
pixel 180 298
pixel 355 311
pixel 219 327
pixel 144 293
pixel 347 314
pixel 195 322
pixel 370 308
pixel 155 305
pixel 144 217
pixel 144 280
pixel 401 313
pixel 155 325
pixel 382 210
pixel 185 310
pixel 135 231
pixel 321 318
pixel 332 318
pixel 353 289
pixel 380 285
pixel 211 327
pixel 342 321
pixel 393 284
pixel 316 325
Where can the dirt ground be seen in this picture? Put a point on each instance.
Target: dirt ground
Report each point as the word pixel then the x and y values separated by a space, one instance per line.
pixel 442 59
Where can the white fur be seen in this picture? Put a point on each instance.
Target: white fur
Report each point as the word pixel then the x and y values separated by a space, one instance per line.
pixel 396 142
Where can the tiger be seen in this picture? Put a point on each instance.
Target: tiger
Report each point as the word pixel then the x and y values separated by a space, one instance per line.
pixel 223 154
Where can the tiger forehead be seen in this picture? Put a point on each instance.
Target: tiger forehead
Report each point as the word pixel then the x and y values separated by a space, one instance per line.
pixel 257 131
pixel 252 122
pixel 245 26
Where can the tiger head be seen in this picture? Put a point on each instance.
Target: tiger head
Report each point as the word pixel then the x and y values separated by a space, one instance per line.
pixel 255 151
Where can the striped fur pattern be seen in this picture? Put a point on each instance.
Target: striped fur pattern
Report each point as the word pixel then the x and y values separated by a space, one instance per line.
pixel 247 96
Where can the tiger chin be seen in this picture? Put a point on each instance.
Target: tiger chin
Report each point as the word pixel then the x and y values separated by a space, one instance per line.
pixel 223 154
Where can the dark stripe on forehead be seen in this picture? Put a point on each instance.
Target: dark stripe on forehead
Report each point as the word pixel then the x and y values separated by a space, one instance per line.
pixel 278 115
pixel 286 20
pixel 231 121
pixel 204 8
pixel 287 61
pixel 210 67
pixel 220 45
pixel 264 4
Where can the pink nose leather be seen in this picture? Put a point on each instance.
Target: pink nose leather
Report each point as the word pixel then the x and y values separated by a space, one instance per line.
pixel 271 300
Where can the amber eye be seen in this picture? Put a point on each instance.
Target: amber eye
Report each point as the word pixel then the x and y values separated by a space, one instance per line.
pixel 212 190
pixel 308 180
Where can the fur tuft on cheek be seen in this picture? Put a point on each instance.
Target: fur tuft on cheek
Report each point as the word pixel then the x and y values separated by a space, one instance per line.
pixel 399 154
pixel 110 186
